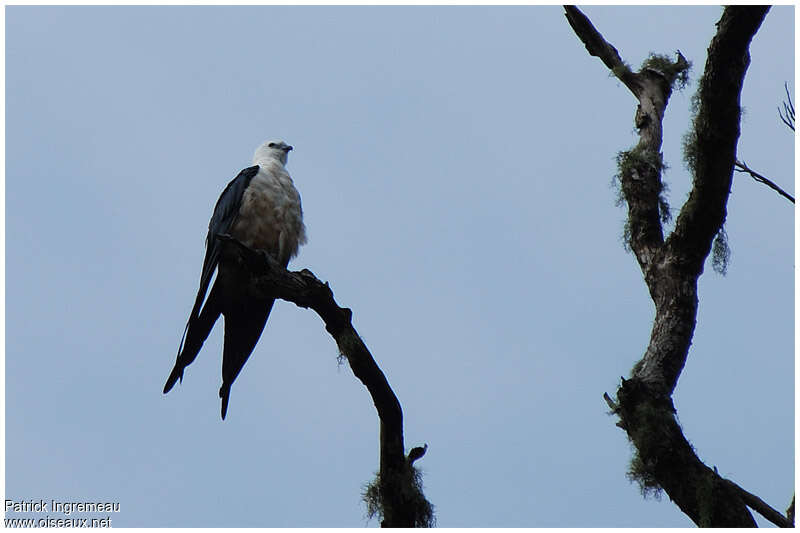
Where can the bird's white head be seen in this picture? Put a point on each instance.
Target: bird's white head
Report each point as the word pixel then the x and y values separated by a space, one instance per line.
pixel 272 150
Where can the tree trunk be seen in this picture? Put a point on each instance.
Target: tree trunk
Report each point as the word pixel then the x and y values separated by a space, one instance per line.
pixel 663 458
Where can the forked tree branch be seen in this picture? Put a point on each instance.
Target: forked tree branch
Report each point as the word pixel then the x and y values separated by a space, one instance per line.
pixel 640 168
pixel 663 458
pixel 402 501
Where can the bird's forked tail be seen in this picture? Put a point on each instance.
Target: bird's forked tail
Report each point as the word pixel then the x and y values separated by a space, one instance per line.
pixel 225 394
pixel 174 376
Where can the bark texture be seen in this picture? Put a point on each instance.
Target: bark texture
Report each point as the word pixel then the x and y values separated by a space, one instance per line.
pixel 663 458
pixel 397 490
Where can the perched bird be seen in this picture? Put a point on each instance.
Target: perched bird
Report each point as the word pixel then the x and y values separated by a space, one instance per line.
pixel 261 208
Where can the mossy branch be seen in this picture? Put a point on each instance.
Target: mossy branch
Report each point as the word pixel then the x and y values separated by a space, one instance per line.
pixel 663 458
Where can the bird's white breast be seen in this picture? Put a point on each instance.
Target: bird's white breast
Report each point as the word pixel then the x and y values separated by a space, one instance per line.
pixel 270 216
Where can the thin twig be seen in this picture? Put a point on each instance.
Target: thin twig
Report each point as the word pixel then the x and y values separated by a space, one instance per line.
pixel 759 505
pixel 742 167
pixel 613 406
pixel 787 115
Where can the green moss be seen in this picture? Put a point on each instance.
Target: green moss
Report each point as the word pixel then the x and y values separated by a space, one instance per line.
pixel 642 475
pixel 638 160
pixel 371 496
pixel 705 500
pixel 664 210
pixel 628 161
pixel 659 62
pixel 690 143
pixel 690 151
pixel 649 425
pixel 621 71
pixel 721 252
pixel 425 516
pixel 411 486
pixel 676 72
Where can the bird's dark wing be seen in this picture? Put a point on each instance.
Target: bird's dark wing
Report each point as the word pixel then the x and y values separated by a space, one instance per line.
pixel 225 213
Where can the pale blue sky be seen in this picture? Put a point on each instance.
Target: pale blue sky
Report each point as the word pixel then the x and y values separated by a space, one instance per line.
pixel 455 167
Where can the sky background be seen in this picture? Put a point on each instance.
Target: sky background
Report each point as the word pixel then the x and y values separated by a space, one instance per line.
pixel 455 167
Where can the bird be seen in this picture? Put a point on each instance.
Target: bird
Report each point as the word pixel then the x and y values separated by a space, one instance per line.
pixel 261 208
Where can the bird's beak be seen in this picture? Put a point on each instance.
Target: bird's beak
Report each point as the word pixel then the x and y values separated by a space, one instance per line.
pixel 288 149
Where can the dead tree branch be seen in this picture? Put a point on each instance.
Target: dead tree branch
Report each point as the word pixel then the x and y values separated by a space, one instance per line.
pixel 597 46
pixel 641 167
pixel 663 458
pixel 401 501
pixel 715 133
pixel 760 506
pixel 742 167
pixel 787 113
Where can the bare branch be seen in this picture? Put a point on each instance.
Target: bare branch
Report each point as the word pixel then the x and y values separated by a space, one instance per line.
pixel 759 506
pixel 742 167
pixel 787 114
pixel 416 453
pixel 402 503
pixel 597 46
pixel 611 405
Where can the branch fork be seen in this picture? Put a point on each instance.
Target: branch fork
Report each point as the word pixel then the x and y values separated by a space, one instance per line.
pixel 663 457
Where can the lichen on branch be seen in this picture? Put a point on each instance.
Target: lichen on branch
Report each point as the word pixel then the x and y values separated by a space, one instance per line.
pixel 663 458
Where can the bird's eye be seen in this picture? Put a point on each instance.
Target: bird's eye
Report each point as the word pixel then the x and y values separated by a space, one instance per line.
pixel 271 145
